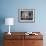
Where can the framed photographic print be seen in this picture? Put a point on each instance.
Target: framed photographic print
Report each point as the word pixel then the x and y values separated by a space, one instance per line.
pixel 26 15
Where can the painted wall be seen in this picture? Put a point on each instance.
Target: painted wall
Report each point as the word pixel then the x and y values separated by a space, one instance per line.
pixel 9 8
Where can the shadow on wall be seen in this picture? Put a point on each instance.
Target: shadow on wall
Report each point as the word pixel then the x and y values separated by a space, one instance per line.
pixel 2 21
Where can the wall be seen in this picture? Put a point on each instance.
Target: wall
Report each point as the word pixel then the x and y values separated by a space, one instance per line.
pixel 9 8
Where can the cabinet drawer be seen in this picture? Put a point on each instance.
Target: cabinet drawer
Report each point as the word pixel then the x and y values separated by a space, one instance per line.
pixel 37 43
pixel 33 43
pixel 34 37
pixel 9 43
pixel 16 37
pixel 13 43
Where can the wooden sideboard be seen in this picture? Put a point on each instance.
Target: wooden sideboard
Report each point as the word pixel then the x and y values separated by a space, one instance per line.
pixel 20 39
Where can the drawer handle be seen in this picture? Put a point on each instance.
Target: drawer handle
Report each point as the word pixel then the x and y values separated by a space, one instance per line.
pixel 33 42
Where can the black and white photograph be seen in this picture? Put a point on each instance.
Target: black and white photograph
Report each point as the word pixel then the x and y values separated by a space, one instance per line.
pixel 26 15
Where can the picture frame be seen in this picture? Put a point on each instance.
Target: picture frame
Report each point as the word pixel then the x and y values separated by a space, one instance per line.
pixel 26 15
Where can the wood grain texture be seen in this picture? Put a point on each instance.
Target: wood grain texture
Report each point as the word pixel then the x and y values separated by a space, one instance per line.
pixel 20 39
